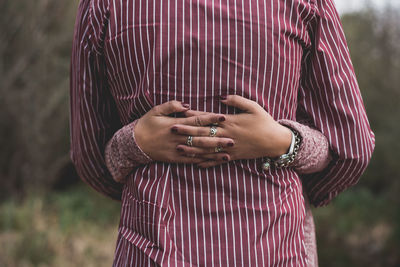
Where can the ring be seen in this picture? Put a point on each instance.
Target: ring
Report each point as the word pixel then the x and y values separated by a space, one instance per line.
pixel 213 131
pixel 217 149
pixel 189 140
pixel 214 124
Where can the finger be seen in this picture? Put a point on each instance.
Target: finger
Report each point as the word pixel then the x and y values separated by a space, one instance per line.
pixel 170 107
pixel 191 113
pixel 205 141
pixel 210 163
pixel 240 102
pixel 203 120
pixel 196 131
pixel 184 149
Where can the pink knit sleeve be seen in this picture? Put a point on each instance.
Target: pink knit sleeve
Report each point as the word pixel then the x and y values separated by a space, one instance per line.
pixel 314 154
pixel 122 154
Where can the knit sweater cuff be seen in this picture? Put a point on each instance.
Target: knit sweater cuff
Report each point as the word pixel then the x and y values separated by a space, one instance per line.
pixel 122 153
pixel 313 155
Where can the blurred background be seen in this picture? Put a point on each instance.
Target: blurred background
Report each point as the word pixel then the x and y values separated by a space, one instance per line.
pixel 48 217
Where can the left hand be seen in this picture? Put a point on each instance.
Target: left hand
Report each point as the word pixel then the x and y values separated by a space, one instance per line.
pixel 254 132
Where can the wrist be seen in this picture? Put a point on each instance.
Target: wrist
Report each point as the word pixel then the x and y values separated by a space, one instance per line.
pixel 287 158
pixel 137 134
pixel 283 141
pixel 138 137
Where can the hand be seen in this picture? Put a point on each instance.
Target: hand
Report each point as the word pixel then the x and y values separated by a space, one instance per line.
pixel 254 132
pixel 154 133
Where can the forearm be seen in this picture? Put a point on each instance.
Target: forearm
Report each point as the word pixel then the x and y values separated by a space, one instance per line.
pixel 122 153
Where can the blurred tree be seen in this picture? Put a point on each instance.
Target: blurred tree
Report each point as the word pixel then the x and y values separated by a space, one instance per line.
pixel 374 41
pixel 35 45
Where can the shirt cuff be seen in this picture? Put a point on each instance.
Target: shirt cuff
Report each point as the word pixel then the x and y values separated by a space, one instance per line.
pixel 313 155
pixel 123 154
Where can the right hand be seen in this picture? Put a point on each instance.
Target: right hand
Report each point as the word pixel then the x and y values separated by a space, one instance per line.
pixel 153 134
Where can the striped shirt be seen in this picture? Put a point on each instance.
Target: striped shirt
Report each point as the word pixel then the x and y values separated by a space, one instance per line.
pixel 290 56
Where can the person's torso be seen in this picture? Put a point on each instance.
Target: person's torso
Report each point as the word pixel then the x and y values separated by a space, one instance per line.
pixel 195 51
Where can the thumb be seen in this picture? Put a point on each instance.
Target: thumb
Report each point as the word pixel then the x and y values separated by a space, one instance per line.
pixel 239 102
pixel 170 107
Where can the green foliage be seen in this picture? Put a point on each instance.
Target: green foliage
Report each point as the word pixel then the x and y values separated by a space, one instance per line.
pixel 35 45
pixel 34 248
pixel 355 230
pixel 43 229
pixel 71 208
pixel 79 206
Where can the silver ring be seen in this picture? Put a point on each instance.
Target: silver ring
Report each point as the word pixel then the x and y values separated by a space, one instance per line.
pixel 213 131
pixel 217 149
pixel 189 140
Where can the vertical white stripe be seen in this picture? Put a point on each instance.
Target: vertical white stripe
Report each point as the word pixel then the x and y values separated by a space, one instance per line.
pixel 229 174
pixel 175 97
pixel 273 109
pixel 208 191
pixel 183 95
pixel 221 24
pixel 161 23
pixel 209 215
pixel 189 226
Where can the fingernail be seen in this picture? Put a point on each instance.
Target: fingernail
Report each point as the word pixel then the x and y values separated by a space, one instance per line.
pixel 221 118
pixel 185 105
pixel 223 97
pixel 225 158
pixel 174 129
pixel 230 144
pixel 180 149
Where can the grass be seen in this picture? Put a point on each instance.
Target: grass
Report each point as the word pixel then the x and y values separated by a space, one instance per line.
pixel 77 227
pixel 357 229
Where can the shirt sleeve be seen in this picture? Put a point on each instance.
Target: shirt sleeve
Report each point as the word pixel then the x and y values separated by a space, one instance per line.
pixel 330 98
pixel 123 154
pixel 313 154
pixel 93 114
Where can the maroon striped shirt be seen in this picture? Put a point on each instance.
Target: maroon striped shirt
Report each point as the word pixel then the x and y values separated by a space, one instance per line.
pixel 290 56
